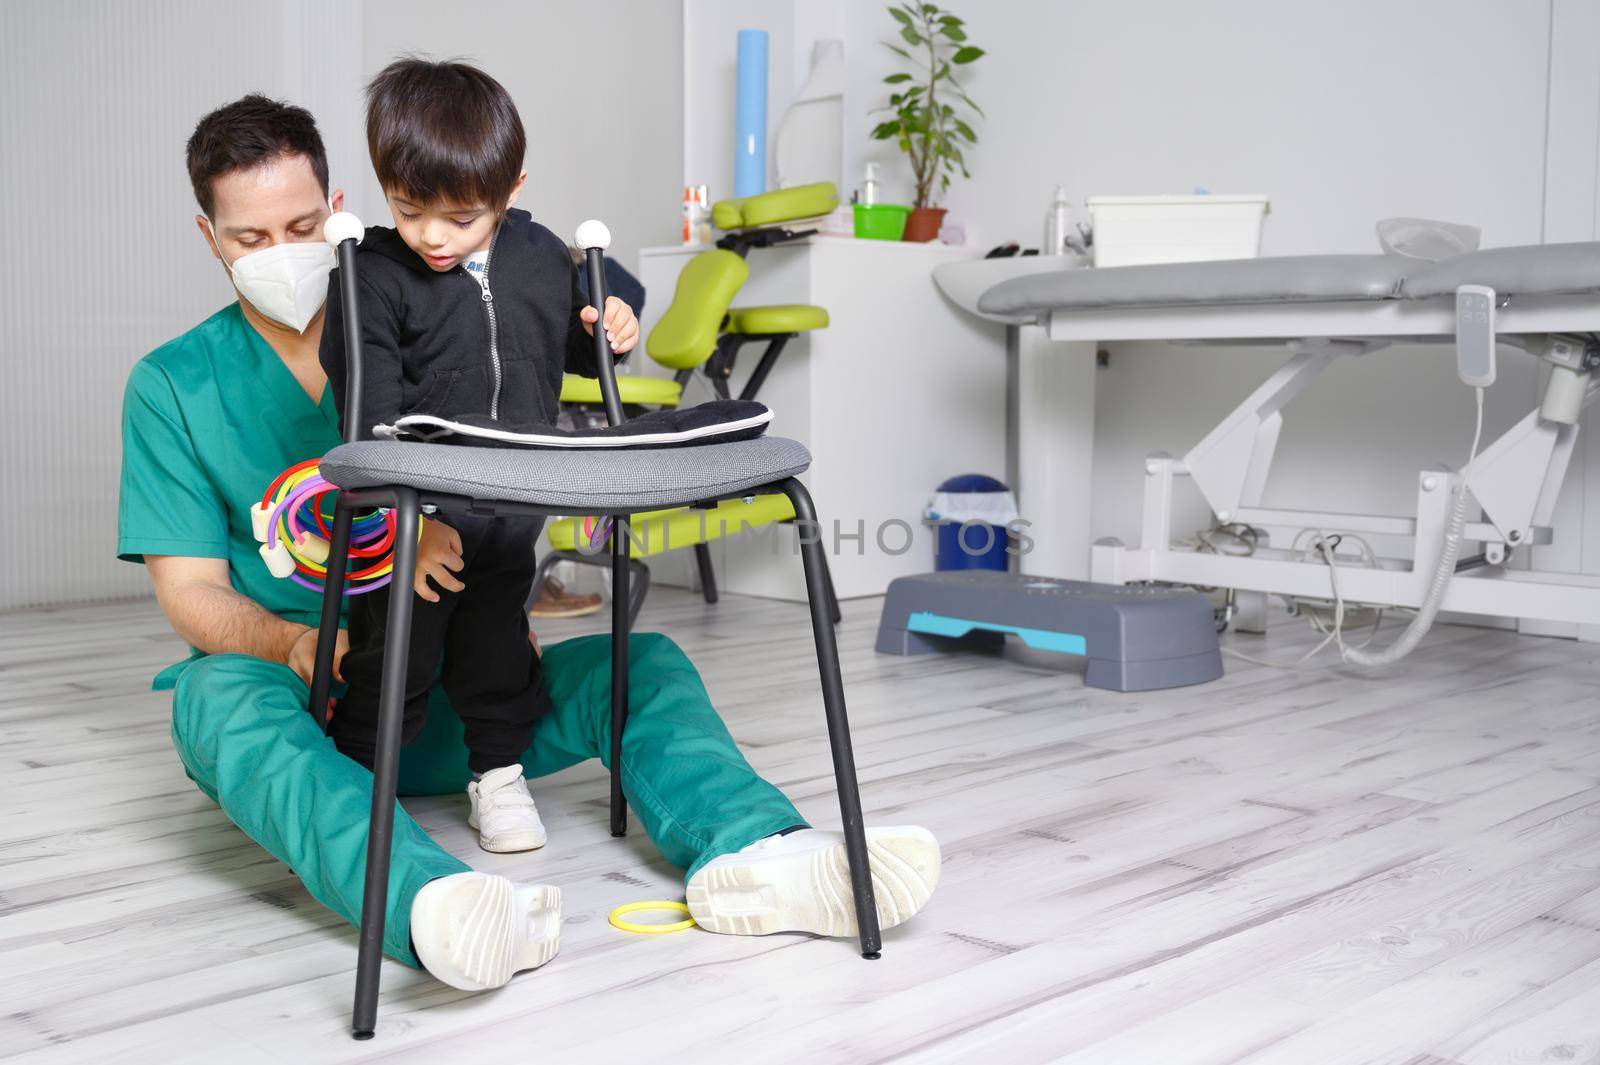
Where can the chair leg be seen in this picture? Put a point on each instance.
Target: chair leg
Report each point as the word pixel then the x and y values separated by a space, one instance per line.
pixel 833 596
pixel 386 764
pixel 844 762
pixel 332 604
pixel 769 357
pixel 641 586
pixel 620 624
pixel 708 579
pixel 827 580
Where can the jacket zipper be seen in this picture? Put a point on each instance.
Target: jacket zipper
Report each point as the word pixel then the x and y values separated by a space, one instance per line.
pixel 494 335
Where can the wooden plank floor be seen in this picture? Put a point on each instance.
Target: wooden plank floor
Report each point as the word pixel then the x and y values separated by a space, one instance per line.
pixel 1309 867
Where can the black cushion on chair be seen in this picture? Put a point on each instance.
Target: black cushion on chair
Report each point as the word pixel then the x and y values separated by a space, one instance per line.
pixel 586 481
pixel 718 421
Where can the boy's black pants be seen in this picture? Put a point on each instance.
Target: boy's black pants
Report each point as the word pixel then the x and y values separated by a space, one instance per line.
pixel 491 673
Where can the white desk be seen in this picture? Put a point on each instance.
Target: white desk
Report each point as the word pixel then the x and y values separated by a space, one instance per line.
pixel 901 391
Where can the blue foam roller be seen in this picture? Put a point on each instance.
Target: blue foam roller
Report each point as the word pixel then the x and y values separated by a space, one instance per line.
pixel 750 116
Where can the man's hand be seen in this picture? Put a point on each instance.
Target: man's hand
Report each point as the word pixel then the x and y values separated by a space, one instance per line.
pixel 622 328
pixel 303 654
pixel 438 557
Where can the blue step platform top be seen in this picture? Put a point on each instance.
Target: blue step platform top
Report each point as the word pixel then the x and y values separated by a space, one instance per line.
pixel 1135 638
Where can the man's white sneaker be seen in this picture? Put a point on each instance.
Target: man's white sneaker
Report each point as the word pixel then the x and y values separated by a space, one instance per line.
pixel 477 930
pixel 801 883
pixel 503 812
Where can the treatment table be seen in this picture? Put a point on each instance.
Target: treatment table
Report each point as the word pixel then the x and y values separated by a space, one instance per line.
pixel 1321 308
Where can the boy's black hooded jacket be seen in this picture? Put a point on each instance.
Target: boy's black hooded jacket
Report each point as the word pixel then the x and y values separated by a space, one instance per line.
pixel 434 345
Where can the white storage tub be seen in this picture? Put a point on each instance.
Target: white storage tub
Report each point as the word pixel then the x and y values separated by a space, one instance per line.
pixel 1129 230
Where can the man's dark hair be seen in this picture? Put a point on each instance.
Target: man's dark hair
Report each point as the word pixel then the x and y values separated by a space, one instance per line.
pixel 246 133
pixel 444 132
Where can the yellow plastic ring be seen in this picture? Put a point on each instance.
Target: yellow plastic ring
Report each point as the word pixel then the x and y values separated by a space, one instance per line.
pixel 650 929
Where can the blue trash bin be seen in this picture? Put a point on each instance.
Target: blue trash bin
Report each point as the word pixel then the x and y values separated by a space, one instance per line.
pixel 970 515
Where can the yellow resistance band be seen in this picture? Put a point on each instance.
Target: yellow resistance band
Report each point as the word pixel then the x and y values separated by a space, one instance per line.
pixel 651 929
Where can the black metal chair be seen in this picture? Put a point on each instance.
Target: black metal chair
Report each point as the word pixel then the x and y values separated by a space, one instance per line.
pixel 408 476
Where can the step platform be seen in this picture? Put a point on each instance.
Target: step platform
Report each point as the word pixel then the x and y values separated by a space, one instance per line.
pixel 1135 638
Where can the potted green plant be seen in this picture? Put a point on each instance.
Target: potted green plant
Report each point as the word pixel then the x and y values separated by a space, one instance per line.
pixel 930 108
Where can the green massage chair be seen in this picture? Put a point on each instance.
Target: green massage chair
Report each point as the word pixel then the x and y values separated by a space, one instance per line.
pixel 702 332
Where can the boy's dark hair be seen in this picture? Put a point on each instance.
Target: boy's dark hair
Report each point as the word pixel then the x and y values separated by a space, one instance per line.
pixel 248 132
pixel 444 132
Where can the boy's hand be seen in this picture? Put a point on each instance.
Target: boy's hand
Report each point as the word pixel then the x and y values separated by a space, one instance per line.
pixel 622 328
pixel 439 557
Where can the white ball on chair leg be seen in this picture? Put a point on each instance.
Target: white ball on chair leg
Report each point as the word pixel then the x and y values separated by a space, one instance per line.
pixel 341 227
pixel 592 234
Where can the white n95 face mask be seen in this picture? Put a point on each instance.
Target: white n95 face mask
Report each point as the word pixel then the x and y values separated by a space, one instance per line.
pixel 286 282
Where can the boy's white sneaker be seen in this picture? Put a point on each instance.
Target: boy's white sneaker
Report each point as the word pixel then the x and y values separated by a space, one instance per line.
pixel 476 930
pixel 801 883
pixel 503 812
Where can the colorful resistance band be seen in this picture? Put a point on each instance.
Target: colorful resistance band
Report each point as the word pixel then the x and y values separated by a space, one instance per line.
pixel 295 533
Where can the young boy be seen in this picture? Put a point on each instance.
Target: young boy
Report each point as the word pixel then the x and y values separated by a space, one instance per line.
pixel 467 307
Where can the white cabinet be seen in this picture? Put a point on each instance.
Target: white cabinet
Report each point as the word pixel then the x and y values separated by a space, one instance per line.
pixel 901 391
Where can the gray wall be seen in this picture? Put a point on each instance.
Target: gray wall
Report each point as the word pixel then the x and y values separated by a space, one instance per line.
pixel 96 100
pixel 1479 111
pixel 599 87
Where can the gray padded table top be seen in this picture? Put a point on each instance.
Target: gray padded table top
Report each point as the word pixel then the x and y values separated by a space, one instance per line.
pixel 583 480
pixel 1292 279
pixel 1527 270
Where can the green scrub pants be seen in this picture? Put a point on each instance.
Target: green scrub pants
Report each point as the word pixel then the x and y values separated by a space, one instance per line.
pixel 241 728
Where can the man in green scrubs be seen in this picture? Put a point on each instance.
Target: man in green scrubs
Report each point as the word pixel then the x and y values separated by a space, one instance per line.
pixel 209 420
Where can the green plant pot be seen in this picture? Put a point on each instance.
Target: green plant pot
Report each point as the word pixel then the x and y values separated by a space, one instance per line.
pixel 881 221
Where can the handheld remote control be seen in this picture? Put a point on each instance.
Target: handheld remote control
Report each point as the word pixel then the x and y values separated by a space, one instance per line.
pixel 1475 335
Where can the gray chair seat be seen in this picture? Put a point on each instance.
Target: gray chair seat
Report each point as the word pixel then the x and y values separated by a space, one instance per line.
pixel 582 480
pixel 1283 279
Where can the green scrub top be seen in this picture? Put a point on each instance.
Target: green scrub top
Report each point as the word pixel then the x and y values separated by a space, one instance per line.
pixel 208 421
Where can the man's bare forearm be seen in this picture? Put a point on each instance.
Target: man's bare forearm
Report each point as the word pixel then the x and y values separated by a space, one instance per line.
pixel 207 612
